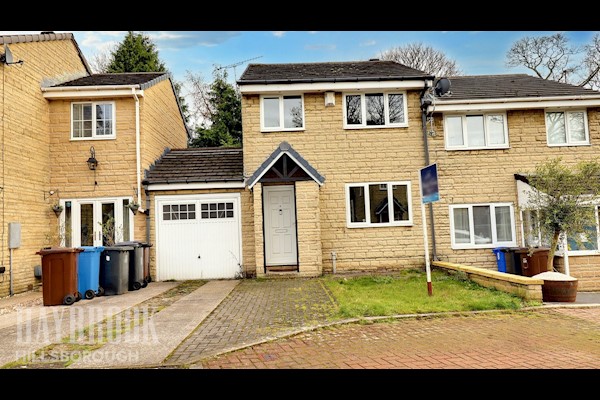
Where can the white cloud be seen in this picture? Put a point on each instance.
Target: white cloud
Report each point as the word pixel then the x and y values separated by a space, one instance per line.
pixel 325 47
pixel 368 43
pixel 278 33
pixel 164 35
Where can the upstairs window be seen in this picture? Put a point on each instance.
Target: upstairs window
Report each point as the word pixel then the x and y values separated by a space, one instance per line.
pixel 282 113
pixel 567 128
pixel 375 110
pixel 92 120
pixel 476 131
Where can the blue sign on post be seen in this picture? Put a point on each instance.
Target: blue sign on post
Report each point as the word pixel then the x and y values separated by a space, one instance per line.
pixel 428 178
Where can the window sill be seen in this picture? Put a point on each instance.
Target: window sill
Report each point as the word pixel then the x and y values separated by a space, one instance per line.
pixel 569 144
pixel 579 253
pixel 477 148
pixel 350 127
pixel 388 225
pixel 269 130
pixel 92 138
pixel 482 246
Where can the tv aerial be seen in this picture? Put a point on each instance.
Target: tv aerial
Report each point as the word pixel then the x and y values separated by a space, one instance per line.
pixel 7 58
pixel 237 64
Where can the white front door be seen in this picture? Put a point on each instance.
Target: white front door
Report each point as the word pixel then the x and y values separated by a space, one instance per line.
pixel 280 225
pixel 96 222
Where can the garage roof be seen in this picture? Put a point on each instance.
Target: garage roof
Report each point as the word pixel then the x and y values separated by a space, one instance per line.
pixel 197 165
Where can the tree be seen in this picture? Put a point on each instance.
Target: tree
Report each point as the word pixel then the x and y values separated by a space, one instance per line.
pixel 136 53
pixel 561 199
pixel 554 57
pixel 424 58
pixel 219 107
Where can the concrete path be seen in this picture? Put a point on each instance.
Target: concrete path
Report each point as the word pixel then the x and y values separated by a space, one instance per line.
pixel 540 339
pixel 162 333
pixel 25 330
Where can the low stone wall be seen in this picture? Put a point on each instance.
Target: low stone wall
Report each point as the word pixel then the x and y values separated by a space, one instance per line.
pixel 522 286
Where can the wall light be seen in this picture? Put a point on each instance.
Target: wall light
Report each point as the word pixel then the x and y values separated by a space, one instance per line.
pixel 92 162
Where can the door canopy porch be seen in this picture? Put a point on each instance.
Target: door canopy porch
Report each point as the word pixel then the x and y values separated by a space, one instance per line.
pixel 285 165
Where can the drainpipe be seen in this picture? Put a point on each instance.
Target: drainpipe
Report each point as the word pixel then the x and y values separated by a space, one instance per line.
pixel 138 160
pixel 147 213
pixel 426 149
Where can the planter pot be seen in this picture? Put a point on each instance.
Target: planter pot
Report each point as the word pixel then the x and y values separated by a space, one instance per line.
pixel 134 208
pixel 57 210
pixel 562 291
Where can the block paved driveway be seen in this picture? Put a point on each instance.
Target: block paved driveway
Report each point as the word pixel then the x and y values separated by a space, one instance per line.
pixel 254 311
pixel 545 338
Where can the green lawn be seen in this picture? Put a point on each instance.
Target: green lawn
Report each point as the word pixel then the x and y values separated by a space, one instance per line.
pixel 406 293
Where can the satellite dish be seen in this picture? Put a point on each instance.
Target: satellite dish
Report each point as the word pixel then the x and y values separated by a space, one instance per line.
pixel 7 57
pixel 442 86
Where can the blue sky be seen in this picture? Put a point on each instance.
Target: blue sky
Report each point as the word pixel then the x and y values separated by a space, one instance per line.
pixel 479 52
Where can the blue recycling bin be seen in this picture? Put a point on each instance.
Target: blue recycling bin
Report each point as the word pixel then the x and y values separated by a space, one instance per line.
pixel 500 253
pixel 88 272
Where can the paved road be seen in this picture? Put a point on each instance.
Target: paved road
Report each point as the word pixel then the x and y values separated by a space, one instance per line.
pixel 547 338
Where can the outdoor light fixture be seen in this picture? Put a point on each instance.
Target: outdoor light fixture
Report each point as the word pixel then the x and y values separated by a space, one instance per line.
pixel 92 162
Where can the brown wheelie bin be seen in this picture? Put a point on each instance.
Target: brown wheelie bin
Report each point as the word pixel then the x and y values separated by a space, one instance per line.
pixel 59 275
pixel 534 262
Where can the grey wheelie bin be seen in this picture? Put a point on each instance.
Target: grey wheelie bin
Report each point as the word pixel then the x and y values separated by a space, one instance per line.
pixel 136 264
pixel 114 269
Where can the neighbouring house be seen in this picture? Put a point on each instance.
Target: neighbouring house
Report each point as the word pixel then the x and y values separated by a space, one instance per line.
pixel 329 178
pixel 57 118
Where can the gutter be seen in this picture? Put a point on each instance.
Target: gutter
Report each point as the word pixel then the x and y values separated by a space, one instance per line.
pixel 83 88
pixel 242 82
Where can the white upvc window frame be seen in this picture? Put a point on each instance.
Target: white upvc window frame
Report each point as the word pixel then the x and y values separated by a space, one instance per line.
pixel 363 108
pixel 465 145
pixel 94 136
pixel 495 242
pixel 390 188
pixel 281 127
pixel 566 111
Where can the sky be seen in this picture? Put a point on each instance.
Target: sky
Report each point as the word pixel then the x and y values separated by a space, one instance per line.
pixel 477 52
pixel 480 52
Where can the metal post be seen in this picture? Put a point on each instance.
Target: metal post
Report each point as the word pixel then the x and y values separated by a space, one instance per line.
pixel 425 242
pixel 10 266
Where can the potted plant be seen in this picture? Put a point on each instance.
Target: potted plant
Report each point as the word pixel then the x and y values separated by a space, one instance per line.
pixel 561 197
pixel 57 208
pixel 133 207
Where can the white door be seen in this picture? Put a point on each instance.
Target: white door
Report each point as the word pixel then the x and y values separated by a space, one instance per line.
pixel 96 222
pixel 280 225
pixel 198 236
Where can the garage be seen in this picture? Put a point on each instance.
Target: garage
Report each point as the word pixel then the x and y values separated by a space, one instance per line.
pixel 196 214
pixel 198 236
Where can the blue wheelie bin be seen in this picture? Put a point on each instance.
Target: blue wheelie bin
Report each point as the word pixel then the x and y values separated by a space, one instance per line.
pixel 500 253
pixel 88 273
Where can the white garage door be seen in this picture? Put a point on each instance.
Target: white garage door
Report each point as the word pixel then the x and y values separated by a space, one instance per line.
pixel 198 236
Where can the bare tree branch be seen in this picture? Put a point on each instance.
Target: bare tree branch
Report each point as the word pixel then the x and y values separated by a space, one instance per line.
pixel 554 58
pixel 424 58
pixel 100 61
